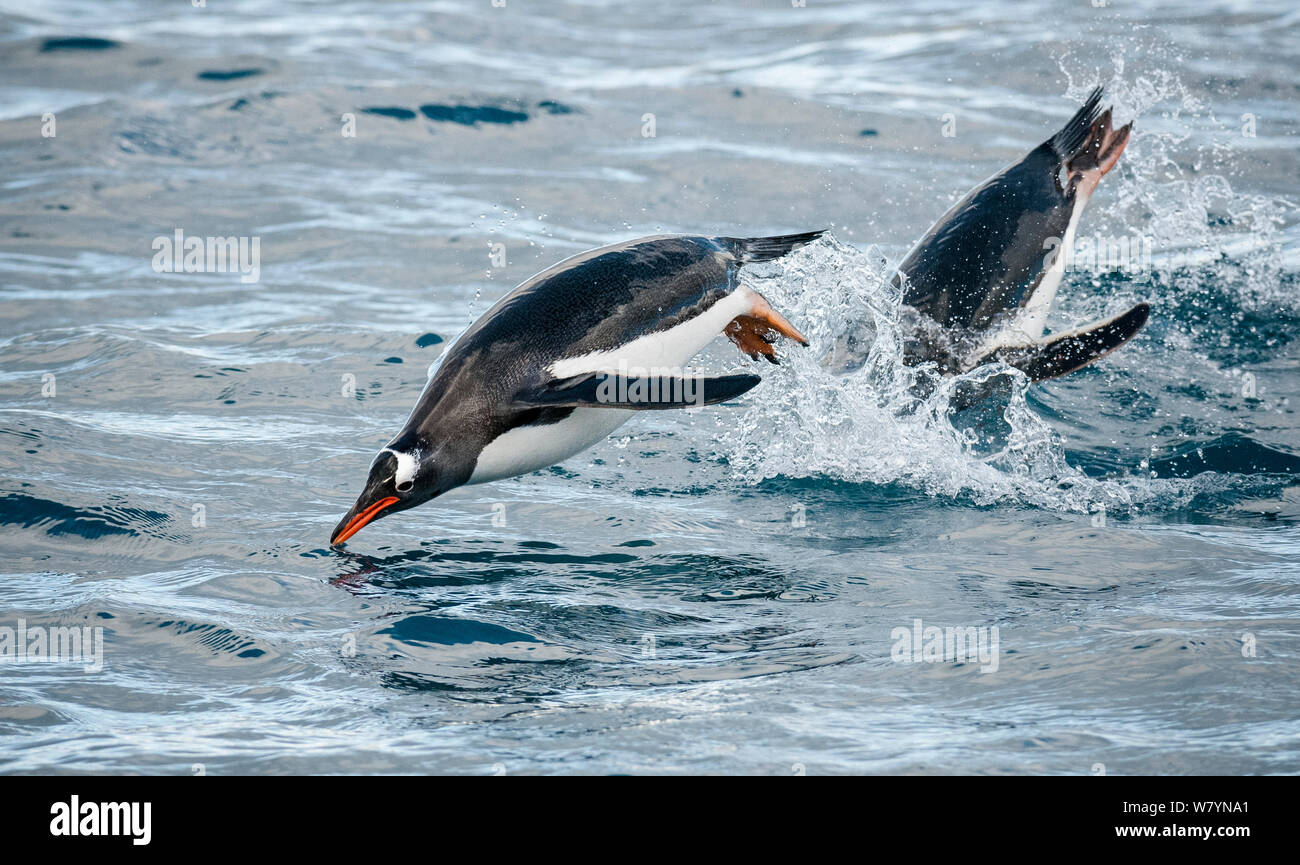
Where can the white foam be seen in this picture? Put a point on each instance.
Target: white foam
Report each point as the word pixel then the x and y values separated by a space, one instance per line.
pixel 871 426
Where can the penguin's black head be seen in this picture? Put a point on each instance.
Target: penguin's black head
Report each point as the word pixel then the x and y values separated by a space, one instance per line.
pixel 399 479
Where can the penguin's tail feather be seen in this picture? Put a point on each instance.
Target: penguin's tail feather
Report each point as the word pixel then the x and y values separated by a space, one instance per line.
pixel 1075 134
pixel 751 249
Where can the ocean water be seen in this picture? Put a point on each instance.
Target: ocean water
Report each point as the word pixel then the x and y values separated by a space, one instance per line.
pixel 723 590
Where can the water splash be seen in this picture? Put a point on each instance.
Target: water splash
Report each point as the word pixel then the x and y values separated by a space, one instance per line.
pixel 889 423
pixel 1173 185
pixel 1215 248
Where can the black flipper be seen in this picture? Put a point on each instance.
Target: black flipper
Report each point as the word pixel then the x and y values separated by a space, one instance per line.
pixel 641 393
pixel 1072 351
pixel 749 249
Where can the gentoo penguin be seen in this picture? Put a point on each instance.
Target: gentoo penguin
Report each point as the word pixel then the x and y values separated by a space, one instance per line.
pixel 979 285
pixel 569 355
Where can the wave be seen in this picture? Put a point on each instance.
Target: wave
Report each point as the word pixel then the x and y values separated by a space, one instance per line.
pixel 57 518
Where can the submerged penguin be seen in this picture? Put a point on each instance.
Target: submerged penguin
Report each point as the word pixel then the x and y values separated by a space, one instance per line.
pixel 979 285
pixel 569 355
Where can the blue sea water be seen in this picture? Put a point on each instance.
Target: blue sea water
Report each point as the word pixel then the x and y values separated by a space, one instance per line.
pixel 720 590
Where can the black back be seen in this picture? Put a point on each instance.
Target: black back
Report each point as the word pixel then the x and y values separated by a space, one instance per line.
pixel 595 301
pixel 989 252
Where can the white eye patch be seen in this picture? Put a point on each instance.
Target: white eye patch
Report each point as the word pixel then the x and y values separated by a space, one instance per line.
pixel 406 464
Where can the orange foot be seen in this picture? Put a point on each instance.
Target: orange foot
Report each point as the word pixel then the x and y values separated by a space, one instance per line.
pixel 755 332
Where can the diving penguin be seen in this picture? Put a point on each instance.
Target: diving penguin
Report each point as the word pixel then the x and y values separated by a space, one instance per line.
pixel 569 355
pixel 978 287
pixel 980 283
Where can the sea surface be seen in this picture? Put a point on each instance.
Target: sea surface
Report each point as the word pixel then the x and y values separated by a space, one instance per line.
pixel 725 590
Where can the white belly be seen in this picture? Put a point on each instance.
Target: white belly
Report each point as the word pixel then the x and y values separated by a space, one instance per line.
pixel 1031 322
pixel 527 449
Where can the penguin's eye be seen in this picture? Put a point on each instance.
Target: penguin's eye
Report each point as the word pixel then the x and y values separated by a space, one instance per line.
pixel 404 486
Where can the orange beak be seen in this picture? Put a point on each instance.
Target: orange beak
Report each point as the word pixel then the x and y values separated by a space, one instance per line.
pixel 359 522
